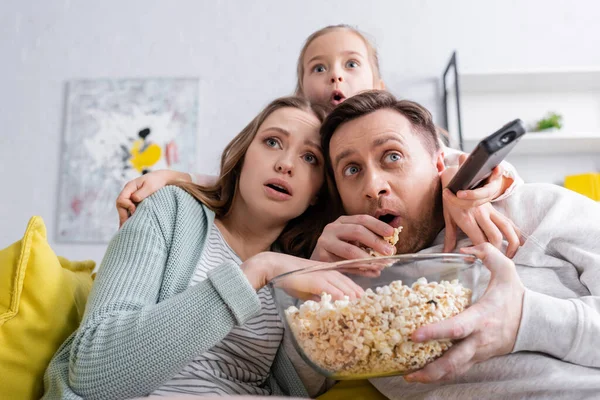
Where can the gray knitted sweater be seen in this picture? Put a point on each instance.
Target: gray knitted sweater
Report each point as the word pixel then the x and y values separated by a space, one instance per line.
pixel 142 323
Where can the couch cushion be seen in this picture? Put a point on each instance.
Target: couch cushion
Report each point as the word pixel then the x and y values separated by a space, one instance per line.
pixel 42 300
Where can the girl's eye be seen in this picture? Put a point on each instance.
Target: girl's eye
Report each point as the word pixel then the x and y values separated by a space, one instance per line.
pixel 351 64
pixel 351 170
pixel 310 158
pixel 271 142
pixel 319 68
pixel 393 157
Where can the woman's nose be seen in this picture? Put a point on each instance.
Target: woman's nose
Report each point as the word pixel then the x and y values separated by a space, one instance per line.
pixel 284 166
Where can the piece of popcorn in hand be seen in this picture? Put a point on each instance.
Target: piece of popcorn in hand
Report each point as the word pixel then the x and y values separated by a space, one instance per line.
pixel 390 239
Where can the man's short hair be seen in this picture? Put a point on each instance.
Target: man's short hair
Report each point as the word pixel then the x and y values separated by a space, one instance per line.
pixel 367 102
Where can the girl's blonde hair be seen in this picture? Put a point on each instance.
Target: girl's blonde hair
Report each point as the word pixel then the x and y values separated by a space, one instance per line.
pixel 300 234
pixel 371 49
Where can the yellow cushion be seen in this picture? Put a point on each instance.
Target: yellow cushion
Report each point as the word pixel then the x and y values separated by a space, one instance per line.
pixel 585 184
pixel 42 300
pixel 356 390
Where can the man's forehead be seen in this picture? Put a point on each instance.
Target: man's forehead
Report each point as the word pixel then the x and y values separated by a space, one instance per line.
pixel 370 129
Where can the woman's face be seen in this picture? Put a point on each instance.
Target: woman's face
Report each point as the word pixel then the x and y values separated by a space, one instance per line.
pixel 283 168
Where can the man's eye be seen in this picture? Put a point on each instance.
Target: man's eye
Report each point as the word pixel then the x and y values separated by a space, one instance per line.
pixel 393 157
pixel 319 68
pixel 271 142
pixel 351 170
pixel 351 64
pixel 310 158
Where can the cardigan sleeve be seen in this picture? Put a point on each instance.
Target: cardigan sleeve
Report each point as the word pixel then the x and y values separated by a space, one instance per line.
pixel 130 343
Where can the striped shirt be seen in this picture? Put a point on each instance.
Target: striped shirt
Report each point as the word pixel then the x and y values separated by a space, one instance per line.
pixel 240 363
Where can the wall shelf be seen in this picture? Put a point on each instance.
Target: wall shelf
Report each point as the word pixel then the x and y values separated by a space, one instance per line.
pixel 477 103
pixel 565 80
pixel 541 143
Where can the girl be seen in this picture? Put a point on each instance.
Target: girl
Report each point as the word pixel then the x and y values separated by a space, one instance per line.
pixel 336 63
pixel 179 303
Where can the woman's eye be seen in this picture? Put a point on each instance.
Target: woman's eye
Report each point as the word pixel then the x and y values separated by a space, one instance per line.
pixel 351 64
pixel 272 143
pixel 351 170
pixel 310 158
pixel 393 157
pixel 319 68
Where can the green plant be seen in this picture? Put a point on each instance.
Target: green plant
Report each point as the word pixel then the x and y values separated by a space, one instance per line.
pixel 552 120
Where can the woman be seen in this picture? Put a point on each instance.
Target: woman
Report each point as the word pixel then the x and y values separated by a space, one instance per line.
pixel 179 303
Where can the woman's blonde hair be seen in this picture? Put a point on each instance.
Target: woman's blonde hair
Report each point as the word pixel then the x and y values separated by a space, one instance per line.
pixel 300 234
pixel 371 49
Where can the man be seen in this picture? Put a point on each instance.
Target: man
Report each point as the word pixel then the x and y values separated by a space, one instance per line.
pixel 536 330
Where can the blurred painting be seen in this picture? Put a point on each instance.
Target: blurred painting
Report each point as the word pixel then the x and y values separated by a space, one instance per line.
pixel 117 130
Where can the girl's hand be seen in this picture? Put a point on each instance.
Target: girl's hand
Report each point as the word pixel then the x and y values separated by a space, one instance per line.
pixel 495 185
pixel 475 216
pixel 138 189
pixel 263 267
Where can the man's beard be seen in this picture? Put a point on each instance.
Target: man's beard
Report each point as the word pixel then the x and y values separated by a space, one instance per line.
pixel 418 233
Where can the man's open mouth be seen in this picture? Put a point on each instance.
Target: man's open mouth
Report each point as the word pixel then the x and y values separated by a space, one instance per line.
pixel 393 220
pixel 387 218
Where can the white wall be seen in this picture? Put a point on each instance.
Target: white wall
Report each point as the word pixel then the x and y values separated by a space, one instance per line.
pixel 245 52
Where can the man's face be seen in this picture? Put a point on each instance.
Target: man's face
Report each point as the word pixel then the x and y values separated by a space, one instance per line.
pixel 383 169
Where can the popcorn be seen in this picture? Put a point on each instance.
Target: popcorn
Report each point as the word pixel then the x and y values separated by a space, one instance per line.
pixel 390 239
pixel 371 335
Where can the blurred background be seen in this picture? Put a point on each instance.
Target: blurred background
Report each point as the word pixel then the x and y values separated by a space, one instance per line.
pixel 537 60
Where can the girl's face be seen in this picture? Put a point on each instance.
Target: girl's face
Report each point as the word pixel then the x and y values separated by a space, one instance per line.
pixel 336 67
pixel 284 166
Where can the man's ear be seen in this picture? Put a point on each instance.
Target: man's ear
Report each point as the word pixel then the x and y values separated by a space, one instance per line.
pixel 439 161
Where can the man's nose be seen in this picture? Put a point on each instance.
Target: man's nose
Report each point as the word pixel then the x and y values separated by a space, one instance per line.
pixel 376 186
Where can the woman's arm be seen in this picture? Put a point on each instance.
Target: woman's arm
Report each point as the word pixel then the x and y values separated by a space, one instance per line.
pixel 131 341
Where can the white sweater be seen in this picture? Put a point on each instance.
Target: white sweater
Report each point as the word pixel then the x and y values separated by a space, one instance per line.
pixel 557 351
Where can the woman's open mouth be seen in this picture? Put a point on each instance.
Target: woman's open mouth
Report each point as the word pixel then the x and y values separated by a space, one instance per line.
pixel 278 189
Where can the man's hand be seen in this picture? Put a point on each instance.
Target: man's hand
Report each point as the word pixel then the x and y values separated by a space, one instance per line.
pixel 341 239
pixel 488 328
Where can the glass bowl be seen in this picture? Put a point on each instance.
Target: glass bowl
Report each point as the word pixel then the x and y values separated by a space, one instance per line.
pixel 370 336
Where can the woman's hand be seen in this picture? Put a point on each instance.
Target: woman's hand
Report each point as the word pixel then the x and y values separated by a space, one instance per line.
pixel 475 216
pixel 138 189
pixel 263 267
